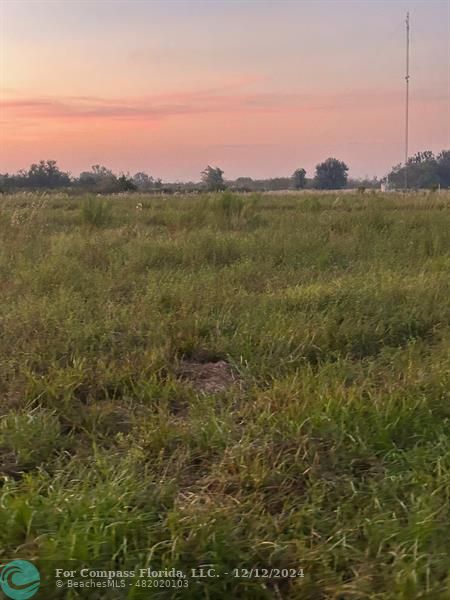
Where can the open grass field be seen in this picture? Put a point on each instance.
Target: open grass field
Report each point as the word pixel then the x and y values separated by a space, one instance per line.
pixel 255 381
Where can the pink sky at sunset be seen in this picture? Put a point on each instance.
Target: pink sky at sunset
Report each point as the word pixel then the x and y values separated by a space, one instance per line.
pixel 258 88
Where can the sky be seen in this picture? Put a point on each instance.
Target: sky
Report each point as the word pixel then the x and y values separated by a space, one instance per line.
pixel 257 87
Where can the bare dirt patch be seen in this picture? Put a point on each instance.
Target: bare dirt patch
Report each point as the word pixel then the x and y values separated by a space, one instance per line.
pixel 207 377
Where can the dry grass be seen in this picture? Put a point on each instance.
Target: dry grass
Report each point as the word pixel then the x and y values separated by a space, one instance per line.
pixel 207 377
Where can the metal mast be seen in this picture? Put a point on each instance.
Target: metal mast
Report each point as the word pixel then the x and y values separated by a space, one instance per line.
pixel 407 101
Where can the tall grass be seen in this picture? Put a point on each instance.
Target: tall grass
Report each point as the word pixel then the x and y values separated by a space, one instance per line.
pixel 95 212
pixel 332 453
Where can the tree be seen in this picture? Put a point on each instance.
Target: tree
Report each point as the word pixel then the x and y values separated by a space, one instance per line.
pixel 299 179
pixel 425 170
pixel 143 182
pixel 331 175
pixel 99 179
pixel 46 174
pixel 213 179
pixel 146 183
pixel 242 184
pixel 443 162
pixel 126 184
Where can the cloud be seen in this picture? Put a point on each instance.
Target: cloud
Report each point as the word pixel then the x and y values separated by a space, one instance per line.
pixel 89 108
pixel 227 99
pixel 230 114
pixel 259 145
pixel 145 108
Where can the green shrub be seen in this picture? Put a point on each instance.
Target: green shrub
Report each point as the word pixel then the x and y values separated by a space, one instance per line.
pixel 95 212
pixel 229 206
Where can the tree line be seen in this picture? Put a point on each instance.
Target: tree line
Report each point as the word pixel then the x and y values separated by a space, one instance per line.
pixel 424 170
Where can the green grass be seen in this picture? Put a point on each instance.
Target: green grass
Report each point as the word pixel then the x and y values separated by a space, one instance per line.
pixel 333 454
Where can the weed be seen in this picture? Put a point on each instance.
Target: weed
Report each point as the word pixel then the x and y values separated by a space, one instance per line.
pixel 95 212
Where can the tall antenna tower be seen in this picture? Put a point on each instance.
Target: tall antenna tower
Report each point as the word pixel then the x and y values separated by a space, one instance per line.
pixel 407 101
